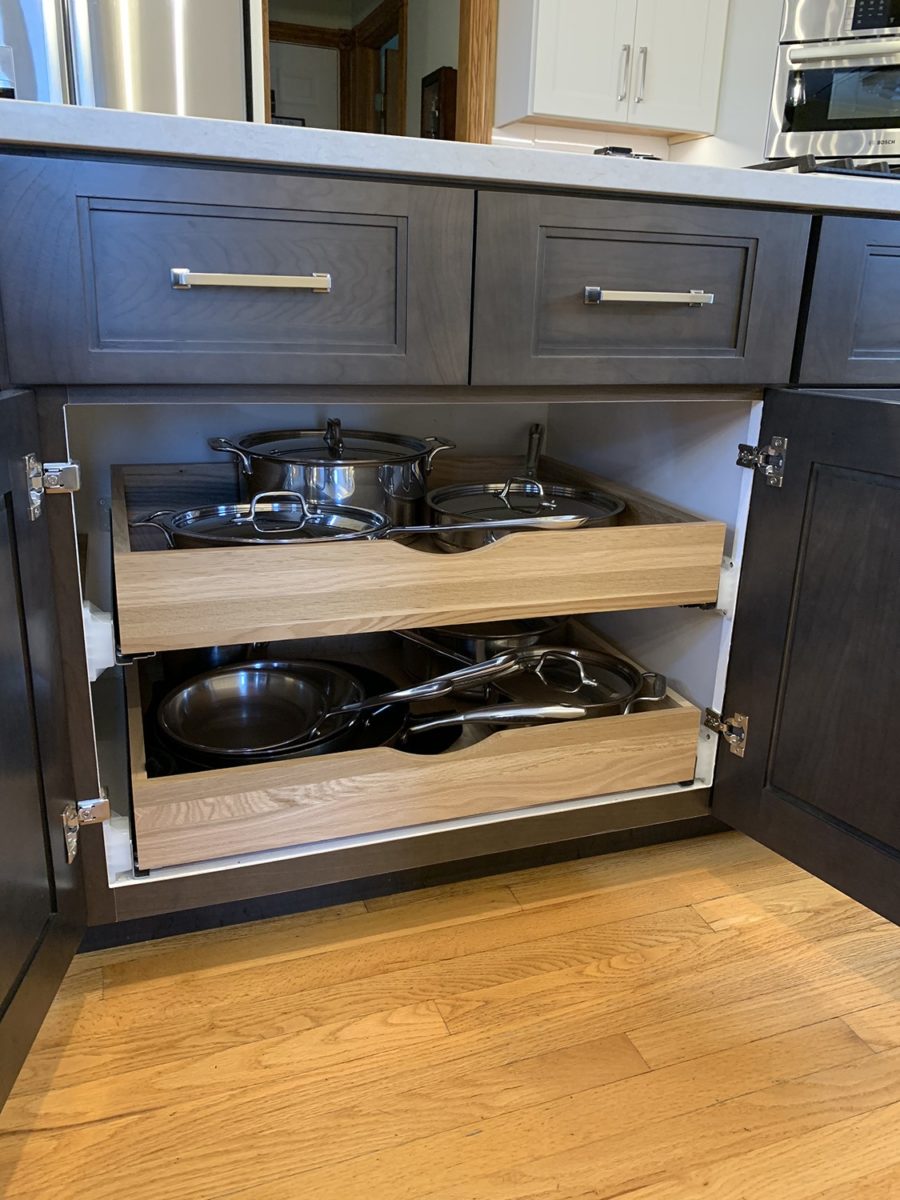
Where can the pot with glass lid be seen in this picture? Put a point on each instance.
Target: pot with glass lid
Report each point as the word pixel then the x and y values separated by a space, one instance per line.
pixel 384 473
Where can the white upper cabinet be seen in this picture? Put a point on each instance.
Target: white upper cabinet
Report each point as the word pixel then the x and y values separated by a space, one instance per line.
pixel 652 64
pixel 678 50
pixel 583 56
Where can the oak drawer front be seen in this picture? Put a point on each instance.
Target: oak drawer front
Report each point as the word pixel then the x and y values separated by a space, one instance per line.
pixel 238 810
pixel 852 330
pixel 100 245
pixel 662 557
pixel 577 291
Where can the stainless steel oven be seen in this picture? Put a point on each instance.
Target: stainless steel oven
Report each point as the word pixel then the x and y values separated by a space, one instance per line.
pixel 837 82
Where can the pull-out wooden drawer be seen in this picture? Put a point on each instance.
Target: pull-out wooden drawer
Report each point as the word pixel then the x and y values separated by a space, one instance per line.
pixel 174 599
pixel 852 331
pixel 181 818
pixel 582 291
pixel 313 280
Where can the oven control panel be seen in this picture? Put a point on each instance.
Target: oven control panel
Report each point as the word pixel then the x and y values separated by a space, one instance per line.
pixel 875 14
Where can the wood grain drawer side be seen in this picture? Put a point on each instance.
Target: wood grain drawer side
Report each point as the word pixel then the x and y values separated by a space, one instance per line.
pixel 175 599
pixel 238 810
pixel 536 255
pixel 98 242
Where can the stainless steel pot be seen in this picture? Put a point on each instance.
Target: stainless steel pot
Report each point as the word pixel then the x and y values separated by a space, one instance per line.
pixel 383 472
pixel 463 504
pixel 486 639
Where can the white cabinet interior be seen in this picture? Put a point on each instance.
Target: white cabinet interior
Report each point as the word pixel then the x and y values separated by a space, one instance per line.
pixel 681 451
pixel 647 64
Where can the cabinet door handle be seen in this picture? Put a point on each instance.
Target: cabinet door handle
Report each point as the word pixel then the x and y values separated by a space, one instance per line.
pixel 695 297
pixel 624 63
pixel 183 278
pixel 642 75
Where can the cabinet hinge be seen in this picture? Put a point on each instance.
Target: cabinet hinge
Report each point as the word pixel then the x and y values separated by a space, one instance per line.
pixel 48 477
pixel 768 459
pixel 84 812
pixel 733 729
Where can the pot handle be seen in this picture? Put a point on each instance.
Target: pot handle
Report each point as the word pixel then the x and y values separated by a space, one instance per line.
pixel 435 446
pixel 653 689
pixel 221 443
pixel 533 454
pixel 155 519
pixel 293 496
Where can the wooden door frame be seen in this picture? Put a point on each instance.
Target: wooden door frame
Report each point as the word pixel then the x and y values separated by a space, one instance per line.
pixel 376 28
pixel 476 83
pixel 332 39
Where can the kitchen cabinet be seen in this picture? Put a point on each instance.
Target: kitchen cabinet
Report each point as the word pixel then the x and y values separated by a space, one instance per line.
pixel 41 908
pixel 852 333
pixel 647 64
pixel 571 290
pixel 814 646
pixel 156 275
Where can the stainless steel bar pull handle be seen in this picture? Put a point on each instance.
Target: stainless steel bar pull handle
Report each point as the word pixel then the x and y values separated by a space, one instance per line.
pixel 695 297
pixel 624 63
pixel 642 75
pixel 183 278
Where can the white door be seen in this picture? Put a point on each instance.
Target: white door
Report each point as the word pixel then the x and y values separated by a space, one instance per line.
pixel 678 50
pixel 584 54
pixel 306 83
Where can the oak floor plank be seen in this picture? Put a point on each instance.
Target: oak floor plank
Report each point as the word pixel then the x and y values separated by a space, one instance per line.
pixel 471 1154
pixel 879 1027
pixel 659 1024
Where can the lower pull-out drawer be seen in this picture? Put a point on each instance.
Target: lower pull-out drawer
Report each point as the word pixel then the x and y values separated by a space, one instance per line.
pixel 182 818
pixel 174 599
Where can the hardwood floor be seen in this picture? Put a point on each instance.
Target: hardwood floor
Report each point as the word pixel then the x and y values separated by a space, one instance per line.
pixel 694 1019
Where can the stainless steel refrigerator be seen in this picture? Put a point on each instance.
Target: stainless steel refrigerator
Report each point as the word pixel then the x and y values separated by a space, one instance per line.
pixel 164 56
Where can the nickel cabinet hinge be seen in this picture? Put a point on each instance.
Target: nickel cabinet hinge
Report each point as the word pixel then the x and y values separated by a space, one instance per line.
pixel 84 812
pixel 733 729
pixel 48 477
pixel 769 459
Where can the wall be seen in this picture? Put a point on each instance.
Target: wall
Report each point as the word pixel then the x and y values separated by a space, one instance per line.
pixel 332 14
pixel 751 48
pixel 432 42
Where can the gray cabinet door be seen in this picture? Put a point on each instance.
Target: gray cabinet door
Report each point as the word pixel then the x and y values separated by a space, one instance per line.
pixel 853 325
pixel 537 255
pixel 88 251
pixel 41 903
pixel 816 649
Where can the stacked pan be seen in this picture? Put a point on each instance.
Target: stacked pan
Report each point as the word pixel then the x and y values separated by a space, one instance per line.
pixel 265 710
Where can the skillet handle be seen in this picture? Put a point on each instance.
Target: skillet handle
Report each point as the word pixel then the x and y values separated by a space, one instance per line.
pixel 155 520
pixel 502 714
pixel 653 689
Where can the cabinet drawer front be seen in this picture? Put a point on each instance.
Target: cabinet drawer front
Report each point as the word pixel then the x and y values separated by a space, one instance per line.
pixel 100 244
pixel 658 557
pixel 680 294
pixel 852 332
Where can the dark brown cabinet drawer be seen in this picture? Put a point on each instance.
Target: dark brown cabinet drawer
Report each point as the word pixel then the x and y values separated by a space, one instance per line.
pixel 98 243
pixel 853 325
pixel 536 257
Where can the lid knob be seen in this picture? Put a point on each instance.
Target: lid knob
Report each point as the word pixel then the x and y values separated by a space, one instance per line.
pixel 333 437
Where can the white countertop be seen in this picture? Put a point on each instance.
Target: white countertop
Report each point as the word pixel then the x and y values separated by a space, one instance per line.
pixel 23 123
